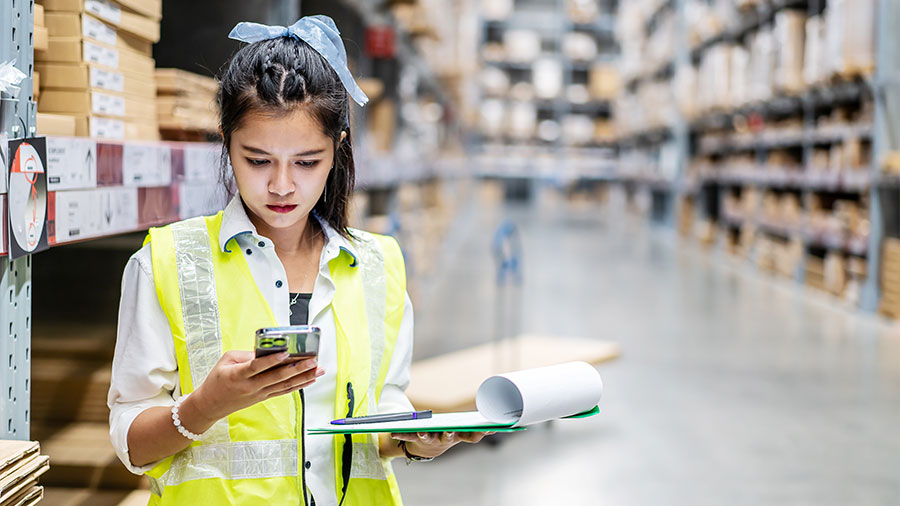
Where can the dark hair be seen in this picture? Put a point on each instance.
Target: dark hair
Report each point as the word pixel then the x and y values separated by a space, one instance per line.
pixel 275 77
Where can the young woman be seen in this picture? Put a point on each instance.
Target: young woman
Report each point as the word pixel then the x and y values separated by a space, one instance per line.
pixel 190 406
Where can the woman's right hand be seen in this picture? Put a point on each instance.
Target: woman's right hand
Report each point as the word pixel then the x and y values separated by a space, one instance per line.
pixel 240 380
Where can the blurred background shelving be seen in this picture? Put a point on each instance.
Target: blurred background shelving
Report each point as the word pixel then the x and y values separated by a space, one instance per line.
pixel 763 133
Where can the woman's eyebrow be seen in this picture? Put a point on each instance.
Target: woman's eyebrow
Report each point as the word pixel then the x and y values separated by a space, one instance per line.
pixel 264 152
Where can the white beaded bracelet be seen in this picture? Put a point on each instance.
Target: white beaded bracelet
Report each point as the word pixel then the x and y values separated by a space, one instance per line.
pixel 177 421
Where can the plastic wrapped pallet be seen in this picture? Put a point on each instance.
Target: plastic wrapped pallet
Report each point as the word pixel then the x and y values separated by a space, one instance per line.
pixel 715 72
pixel 577 129
pixel 522 120
pixel 789 36
pixel 740 76
pixel 814 57
pixel 685 89
pixel 496 10
pixel 522 45
pixel 851 31
pixel 579 46
pixel 762 65
pixel 548 78
pixel 583 11
pixel 493 113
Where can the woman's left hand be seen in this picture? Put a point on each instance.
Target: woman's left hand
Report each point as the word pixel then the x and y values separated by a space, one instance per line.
pixel 432 444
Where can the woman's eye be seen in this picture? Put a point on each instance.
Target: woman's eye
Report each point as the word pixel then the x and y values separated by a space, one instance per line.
pixel 256 162
pixel 308 164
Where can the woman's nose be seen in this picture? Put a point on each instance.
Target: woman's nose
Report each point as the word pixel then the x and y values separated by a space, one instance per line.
pixel 281 183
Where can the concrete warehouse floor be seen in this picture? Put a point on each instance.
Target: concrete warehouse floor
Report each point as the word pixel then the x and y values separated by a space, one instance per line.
pixel 732 388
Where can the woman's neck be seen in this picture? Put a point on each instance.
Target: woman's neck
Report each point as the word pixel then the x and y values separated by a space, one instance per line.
pixel 293 240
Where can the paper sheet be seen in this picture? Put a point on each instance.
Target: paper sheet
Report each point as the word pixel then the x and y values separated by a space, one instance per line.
pixel 506 402
pixel 536 395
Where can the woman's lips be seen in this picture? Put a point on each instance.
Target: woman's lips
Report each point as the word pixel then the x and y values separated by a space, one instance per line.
pixel 282 208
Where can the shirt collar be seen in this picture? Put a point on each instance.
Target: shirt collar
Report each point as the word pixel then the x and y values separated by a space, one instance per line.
pixel 235 222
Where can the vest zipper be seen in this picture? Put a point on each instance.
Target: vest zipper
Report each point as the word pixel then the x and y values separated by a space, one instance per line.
pixel 303 448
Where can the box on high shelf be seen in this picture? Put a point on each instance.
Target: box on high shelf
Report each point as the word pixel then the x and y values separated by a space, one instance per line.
pixel 75 24
pixel 138 17
pixel 186 102
pixel 81 50
pixel 91 102
pixel 83 76
pixel 55 124
pixel 115 128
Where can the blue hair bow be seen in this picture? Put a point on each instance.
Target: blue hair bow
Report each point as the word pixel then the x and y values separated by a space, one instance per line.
pixel 320 32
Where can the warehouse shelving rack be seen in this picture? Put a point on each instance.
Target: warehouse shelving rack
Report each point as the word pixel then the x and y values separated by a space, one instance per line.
pixel 708 190
pixel 18 120
pixel 519 161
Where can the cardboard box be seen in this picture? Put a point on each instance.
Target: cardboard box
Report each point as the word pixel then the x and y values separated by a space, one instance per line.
pixel 157 206
pixel 36 85
pixel 129 21
pixel 78 50
pixel 383 124
pixel 149 8
pixel 117 129
pixel 89 102
pixel 55 124
pixel 39 19
pixel 180 82
pixel 71 162
pixel 73 24
pixel 41 38
pixel 604 82
pixel 83 76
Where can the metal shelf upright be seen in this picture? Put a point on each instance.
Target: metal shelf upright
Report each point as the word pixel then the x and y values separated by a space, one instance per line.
pixel 884 139
pixel 18 119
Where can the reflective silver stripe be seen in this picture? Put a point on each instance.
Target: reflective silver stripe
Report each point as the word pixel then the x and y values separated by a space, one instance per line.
pixel 366 462
pixel 199 307
pixel 232 461
pixel 375 291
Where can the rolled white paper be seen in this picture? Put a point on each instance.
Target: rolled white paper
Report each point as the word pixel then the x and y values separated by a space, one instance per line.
pixel 537 395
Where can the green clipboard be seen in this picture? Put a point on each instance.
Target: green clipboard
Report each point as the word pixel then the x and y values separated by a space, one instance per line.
pixel 397 427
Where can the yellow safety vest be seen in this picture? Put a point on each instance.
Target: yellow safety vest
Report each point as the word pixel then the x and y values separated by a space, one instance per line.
pixel 255 455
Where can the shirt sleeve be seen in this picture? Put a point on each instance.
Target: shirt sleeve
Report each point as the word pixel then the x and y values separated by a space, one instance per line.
pixel 144 369
pixel 393 399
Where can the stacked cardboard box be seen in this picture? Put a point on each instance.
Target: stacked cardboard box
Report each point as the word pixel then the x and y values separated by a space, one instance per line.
pixel 21 464
pixel 98 67
pixel 70 377
pixel 186 104
pixel 890 278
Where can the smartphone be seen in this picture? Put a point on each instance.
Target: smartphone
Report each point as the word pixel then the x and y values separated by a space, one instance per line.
pixel 299 340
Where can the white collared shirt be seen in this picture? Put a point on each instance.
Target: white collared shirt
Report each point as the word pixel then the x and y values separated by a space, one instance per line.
pixel 145 371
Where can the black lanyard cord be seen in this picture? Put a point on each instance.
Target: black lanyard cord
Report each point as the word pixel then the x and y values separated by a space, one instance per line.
pixel 347 454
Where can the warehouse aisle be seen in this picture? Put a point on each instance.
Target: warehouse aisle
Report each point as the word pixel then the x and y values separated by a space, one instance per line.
pixel 731 389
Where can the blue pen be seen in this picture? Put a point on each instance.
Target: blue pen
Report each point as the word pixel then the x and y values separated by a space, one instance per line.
pixel 387 417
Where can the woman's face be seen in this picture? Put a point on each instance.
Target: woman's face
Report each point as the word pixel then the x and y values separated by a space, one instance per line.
pixel 281 164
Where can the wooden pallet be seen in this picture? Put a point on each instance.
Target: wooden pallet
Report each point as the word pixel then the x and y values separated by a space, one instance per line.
pixel 449 382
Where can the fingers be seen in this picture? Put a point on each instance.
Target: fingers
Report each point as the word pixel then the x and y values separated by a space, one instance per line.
pixel 470 437
pixel 295 382
pixel 284 371
pixel 258 365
